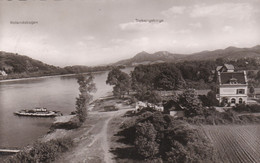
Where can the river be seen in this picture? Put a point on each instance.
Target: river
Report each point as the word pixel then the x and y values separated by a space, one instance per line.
pixel 55 93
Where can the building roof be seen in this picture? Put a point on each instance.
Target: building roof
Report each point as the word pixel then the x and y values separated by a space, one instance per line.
pixel 229 66
pixel 257 90
pixel 218 68
pixel 227 77
pixel 225 68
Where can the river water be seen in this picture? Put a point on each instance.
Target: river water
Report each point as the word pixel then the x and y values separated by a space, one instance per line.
pixel 55 93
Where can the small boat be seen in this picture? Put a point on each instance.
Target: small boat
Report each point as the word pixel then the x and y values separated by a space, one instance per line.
pixel 38 112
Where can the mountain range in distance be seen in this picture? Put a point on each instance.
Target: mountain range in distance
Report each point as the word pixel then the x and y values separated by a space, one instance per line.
pixel 230 53
pixel 15 63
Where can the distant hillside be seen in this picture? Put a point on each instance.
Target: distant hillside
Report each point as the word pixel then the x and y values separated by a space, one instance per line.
pixel 146 58
pixel 230 53
pixel 20 64
pixel 84 69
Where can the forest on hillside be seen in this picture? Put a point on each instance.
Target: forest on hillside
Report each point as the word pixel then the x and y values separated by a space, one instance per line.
pixel 20 66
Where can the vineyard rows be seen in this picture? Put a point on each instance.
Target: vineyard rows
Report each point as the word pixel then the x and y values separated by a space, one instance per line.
pixel 235 143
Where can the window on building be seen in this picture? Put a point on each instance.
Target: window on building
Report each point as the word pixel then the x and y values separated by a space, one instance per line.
pixel 240 100
pixel 224 100
pixel 233 81
pixel 240 91
pixel 233 101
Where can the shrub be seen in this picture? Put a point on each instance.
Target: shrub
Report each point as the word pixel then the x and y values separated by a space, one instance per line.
pixel 42 151
pixel 146 110
pixel 162 138
pixel 186 144
pixel 241 108
pixel 110 108
pixel 209 100
pixel 247 108
pixel 212 117
pixel 249 119
pixel 72 124
pixel 254 108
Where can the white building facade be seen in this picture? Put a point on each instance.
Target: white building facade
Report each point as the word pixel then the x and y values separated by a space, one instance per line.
pixel 232 87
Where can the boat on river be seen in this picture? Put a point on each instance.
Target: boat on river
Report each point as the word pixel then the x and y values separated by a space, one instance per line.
pixel 38 112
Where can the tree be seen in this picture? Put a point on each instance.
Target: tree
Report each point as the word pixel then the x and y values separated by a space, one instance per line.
pixel 224 101
pixel 144 93
pixel 212 98
pixel 204 73
pixel 145 75
pixel 252 90
pixel 120 80
pixel 86 86
pixel 220 61
pixel 251 74
pixel 169 79
pixel 257 75
pixel 145 142
pixel 152 97
pixel 192 105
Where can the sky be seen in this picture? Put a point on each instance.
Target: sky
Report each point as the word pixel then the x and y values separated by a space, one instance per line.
pixel 98 32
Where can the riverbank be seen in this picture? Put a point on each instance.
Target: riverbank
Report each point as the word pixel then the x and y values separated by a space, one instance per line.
pixel 38 77
pixel 91 140
pixel 55 93
pixel 47 76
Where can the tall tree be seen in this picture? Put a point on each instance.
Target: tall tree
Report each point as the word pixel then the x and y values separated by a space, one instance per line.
pixel 145 141
pixel 120 80
pixel 86 86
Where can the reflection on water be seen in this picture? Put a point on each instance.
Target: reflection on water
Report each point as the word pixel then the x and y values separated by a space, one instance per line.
pixel 54 93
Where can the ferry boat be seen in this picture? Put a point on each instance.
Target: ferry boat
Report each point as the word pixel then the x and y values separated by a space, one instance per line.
pixel 38 112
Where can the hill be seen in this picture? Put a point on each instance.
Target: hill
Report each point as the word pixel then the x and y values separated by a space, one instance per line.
pixel 146 58
pixel 230 53
pixel 15 64
pixel 21 66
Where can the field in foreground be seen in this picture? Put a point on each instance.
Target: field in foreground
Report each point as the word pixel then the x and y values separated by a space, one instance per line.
pixel 235 143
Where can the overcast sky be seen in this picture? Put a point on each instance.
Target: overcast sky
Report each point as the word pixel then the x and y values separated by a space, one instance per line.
pixel 92 32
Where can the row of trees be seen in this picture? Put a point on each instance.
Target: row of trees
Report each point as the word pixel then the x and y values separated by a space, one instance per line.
pixel 145 80
pixel 159 77
pixel 123 83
